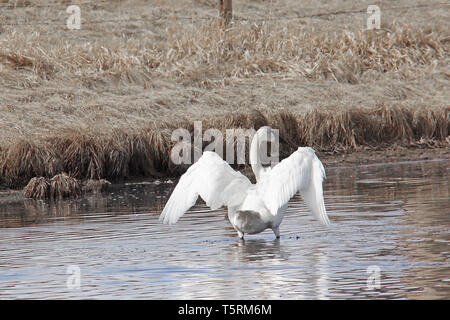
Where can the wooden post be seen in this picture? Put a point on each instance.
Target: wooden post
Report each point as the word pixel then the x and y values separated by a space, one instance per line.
pixel 226 10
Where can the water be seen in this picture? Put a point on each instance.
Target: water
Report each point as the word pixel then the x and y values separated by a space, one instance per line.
pixel 389 220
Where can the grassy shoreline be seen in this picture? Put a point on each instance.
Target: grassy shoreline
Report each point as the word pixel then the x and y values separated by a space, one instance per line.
pixel 102 102
pixel 363 156
pixel 146 151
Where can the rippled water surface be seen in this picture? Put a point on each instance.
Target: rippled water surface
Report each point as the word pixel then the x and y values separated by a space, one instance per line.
pixel 392 220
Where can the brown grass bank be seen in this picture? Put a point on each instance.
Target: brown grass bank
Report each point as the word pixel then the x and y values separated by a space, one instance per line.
pixel 146 151
pixel 102 102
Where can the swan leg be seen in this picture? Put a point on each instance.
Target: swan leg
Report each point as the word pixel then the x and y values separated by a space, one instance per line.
pixel 240 234
pixel 277 232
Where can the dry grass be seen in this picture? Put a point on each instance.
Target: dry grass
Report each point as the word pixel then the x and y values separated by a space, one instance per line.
pixel 147 153
pixel 102 102
pixel 63 186
pixel 209 55
pixel 37 188
pixel 250 49
pixel 58 187
pixel 25 159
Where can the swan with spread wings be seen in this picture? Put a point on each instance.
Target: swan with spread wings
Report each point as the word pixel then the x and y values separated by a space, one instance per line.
pixel 252 208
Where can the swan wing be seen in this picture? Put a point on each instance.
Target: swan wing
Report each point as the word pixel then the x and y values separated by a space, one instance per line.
pixel 301 171
pixel 213 180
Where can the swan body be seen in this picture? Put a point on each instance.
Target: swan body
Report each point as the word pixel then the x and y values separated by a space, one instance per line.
pixel 252 208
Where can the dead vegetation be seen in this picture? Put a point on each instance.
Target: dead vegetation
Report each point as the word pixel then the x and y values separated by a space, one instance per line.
pixel 102 103
pixel 37 188
pixel 59 187
pixel 147 152
pixel 209 55
pixel 62 186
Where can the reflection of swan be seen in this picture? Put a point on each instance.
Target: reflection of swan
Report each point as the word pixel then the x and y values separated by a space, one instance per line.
pixel 260 250
pixel 251 208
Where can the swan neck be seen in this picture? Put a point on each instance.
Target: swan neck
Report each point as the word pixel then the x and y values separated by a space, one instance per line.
pixel 255 160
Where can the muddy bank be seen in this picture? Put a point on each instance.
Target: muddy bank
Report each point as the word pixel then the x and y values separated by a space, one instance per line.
pixel 365 156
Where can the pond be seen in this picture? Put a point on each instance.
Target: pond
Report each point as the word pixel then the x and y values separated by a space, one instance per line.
pixel 389 237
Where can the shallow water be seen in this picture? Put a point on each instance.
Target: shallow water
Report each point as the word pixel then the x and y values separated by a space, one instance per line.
pixel 390 220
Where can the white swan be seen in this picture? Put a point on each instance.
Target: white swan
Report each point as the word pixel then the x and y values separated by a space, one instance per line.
pixel 252 208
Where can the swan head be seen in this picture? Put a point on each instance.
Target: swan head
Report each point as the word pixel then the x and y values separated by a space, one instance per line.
pixel 259 158
pixel 265 134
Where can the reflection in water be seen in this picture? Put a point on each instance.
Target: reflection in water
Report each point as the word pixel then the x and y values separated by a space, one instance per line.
pixel 259 249
pixel 392 216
